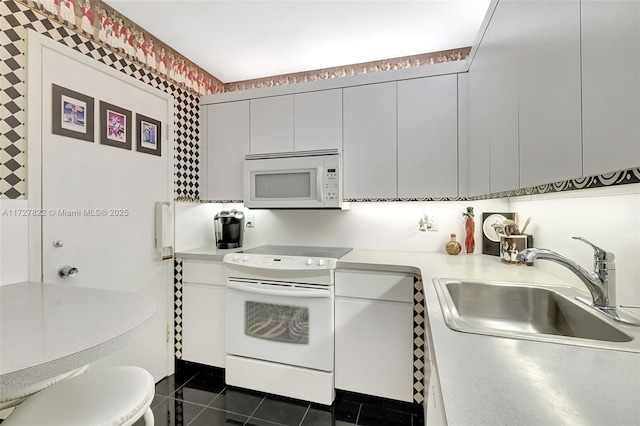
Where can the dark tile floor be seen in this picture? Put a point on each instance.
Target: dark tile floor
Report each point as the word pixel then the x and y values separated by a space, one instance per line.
pixel 191 398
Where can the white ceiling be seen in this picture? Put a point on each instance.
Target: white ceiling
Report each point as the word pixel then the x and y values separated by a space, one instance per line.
pixel 238 40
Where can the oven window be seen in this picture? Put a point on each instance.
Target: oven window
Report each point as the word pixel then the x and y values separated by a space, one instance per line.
pixel 283 185
pixel 280 323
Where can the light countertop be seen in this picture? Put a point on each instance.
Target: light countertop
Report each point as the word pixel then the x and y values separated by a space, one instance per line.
pixel 49 329
pixel 487 380
pixel 210 253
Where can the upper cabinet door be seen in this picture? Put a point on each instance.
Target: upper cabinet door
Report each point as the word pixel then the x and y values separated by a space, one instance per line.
pixel 479 144
pixel 227 132
pixel 318 120
pixel 549 92
pixel 610 85
pixel 428 137
pixel 370 141
pixel 501 40
pixel 272 124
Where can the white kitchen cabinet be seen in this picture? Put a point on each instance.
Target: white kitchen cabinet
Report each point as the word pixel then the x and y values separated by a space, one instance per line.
pixel 203 312
pixel 610 33
pixel 463 134
pixel 501 40
pixel 272 124
pixel 224 145
pixel 374 334
pixel 428 137
pixel 434 405
pixel 318 120
pixel 434 414
pixel 549 91
pixel 479 143
pixel 369 129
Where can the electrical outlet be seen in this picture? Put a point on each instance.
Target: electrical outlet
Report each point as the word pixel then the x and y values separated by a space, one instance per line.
pixel 433 223
pixel 250 221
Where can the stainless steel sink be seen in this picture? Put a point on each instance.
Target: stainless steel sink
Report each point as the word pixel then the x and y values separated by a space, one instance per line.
pixel 529 311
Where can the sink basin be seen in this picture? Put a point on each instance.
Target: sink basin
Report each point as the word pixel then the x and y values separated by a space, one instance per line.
pixel 528 311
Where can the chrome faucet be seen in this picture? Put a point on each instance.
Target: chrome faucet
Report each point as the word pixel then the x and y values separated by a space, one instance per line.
pixel 601 283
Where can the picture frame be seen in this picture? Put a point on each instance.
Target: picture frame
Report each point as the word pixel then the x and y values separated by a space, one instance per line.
pixel 148 135
pixel 72 114
pixel 115 126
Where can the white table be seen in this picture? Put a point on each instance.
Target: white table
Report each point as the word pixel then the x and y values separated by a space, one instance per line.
pixel 49 329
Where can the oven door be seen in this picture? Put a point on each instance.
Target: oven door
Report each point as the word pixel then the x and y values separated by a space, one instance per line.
pixel 281 322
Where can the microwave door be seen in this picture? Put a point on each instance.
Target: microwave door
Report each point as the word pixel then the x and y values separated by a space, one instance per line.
pixel 284 187
pixel 294 185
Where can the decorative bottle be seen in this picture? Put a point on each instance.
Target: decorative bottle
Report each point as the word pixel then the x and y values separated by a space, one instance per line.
pixel 453 246
pixel 469 230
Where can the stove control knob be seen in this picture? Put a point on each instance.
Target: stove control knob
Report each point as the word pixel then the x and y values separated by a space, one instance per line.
pixel 321 262
pixel 309 262
pixel 245 258
pixel 236 257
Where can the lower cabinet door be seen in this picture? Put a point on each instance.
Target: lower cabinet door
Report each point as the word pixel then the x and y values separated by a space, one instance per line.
pixel 203 324
pixel 434 407
pixel 374 347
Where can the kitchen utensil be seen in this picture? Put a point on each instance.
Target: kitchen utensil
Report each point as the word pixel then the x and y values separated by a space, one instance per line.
pixel 510 227
pixel 499 229
pixel 526 223
pixel 490 237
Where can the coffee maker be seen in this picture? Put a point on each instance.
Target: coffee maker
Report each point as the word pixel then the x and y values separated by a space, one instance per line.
pixel 229 229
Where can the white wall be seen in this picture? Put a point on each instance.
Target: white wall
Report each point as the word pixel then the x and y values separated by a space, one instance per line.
pixel 14 250
pixel 378 226
pixel 608 217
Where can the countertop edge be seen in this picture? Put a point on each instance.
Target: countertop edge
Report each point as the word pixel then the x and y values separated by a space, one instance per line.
pixel 34 374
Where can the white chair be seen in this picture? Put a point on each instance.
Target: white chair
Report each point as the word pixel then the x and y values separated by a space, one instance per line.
pixel 106 396
pixel 12 399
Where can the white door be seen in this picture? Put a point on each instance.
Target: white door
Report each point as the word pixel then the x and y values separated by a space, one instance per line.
pixel 100 201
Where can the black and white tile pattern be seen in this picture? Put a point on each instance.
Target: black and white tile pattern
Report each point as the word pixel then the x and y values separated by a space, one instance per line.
pixel 418 340
pixel 177 308
pixel 13 145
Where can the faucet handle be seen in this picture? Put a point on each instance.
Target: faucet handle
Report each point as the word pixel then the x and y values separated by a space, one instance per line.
pixel 599 255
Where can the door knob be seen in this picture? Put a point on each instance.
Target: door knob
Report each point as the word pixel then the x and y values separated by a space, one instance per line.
pixel 67 271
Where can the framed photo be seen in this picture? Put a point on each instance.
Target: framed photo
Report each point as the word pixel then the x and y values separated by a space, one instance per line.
pixel 115 126
pixel 149 135
pixel 72 114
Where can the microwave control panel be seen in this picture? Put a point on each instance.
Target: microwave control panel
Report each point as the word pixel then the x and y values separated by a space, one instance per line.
pixel 331 185
pixel 332 181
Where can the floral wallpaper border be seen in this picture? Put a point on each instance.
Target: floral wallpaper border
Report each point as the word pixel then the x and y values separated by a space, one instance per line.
pixel 102 24
pixel 353 69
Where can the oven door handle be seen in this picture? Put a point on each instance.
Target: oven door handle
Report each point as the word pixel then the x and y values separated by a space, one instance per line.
pixel 273 291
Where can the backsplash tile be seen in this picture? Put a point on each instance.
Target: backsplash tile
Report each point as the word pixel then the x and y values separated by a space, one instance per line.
pixel 177 307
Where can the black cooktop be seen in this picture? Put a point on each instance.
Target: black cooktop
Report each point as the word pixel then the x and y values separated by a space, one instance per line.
pixel 304 251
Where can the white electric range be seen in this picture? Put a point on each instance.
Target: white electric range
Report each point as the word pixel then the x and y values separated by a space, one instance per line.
pixel 280 320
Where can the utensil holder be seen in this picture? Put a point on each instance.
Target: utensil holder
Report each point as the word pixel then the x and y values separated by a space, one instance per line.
pixel 511 245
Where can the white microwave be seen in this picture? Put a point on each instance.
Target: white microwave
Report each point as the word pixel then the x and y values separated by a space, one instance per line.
pixel 294 180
